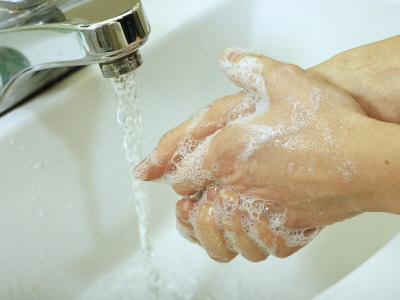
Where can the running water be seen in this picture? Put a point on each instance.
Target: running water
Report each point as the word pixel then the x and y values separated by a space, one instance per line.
pixel 129 119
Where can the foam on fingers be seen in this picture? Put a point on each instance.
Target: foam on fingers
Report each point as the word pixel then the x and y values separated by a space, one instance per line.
pixel 244 68
pixel 210 236
pixel 231 226
pixel 226 222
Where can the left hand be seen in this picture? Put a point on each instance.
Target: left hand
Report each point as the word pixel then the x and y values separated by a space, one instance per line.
pixel 274 163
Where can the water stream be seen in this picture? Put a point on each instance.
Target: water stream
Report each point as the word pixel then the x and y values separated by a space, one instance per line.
pixel 129 119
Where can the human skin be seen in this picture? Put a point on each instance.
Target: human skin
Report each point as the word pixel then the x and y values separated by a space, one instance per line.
pixel 370 74
pixel 339 163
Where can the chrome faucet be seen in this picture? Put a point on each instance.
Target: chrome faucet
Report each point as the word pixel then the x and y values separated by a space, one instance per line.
pixel 40 38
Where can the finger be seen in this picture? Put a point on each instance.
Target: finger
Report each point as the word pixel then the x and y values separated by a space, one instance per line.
pixel 184 138
pixel 184 216
pixel 244 67
pixel 186 230
pixel 184 208
pixel 231 222
pixel 261 74
pixel 264 220
pixel 277 245
pixel 213 159
pixel 210 236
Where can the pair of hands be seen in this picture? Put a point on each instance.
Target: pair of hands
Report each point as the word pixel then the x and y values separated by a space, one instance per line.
pixel 263 171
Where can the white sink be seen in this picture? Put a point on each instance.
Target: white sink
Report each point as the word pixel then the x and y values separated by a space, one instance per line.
pixel 68 227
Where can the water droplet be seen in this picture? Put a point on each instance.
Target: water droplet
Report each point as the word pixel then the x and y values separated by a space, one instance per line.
pixel 41 213
pixel 12 142
pixel 22 148
pixel 274 207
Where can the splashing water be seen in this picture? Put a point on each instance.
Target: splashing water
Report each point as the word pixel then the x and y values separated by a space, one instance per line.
pixel 129 119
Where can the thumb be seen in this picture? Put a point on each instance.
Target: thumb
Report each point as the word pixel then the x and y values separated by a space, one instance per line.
pixel 244 67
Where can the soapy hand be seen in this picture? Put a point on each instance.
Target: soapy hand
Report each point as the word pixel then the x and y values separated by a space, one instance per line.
pixel 262 171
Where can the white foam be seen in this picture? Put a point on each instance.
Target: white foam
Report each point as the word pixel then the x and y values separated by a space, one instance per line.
pixel 246 73
pixel 153 160
pixel 196 120
pixel 191 163
pixel 256 207
pixel 244 108
pixel 259 136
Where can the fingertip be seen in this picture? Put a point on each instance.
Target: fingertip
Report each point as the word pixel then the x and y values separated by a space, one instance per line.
pixel 187 187
pixel 227 195
pixel 141 170
pixel 212 194
pixel 184 188
pixel 186 230
pixel 285 251
pixel 184 207
pixel 231 54
pixel 255 258
pixel 222 260
pixel 244 68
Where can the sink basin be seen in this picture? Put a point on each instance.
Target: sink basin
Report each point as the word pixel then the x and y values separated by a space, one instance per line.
pixel 68 224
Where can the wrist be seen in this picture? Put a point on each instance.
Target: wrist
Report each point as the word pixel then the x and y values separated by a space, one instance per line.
pixel 370 74
pixel 377 185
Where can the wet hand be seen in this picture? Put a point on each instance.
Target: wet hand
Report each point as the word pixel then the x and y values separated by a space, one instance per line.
pixel 274 163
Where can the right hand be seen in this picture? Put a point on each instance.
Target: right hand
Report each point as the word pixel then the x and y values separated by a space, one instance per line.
pixel 370 74
pixel 300 154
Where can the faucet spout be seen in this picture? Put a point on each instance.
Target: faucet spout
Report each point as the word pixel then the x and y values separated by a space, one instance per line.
pixel 122 65
pixel 112 43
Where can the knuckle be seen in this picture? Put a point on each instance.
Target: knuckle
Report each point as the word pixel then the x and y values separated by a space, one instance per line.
pixel 287 72
pixel 254 258
pixel 184 188
pixel 180 205
pixel 220 259
pixel 166 137
pixel 284 252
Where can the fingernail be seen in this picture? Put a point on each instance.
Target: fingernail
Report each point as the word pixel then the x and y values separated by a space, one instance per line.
pixel 140 171
pixel 212 194
pixel 232 53
pixel 228 195
pixel 228 201
pixel 244 70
